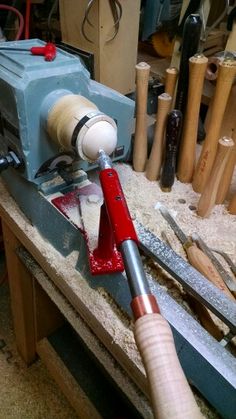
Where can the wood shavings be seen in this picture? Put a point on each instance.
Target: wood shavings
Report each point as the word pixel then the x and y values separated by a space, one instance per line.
pixel 90 207
pixel 144 197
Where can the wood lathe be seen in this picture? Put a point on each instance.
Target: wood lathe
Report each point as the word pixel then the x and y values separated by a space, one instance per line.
pixel 54 123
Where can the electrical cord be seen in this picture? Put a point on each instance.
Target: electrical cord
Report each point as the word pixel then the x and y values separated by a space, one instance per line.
pixel 19 15
pixel 27 18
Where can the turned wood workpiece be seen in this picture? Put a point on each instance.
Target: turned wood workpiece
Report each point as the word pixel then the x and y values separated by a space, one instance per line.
pixel 140 138
pixel 208 197
pixel 187 152
pixel 227 71
pixel 155 160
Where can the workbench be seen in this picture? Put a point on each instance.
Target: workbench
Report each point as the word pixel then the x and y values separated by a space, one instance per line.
pixel 47 292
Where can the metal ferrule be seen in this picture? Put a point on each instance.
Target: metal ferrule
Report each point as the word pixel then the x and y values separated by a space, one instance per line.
pixel 144 304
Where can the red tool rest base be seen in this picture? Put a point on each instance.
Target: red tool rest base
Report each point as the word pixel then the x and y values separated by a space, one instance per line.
pixel 105 259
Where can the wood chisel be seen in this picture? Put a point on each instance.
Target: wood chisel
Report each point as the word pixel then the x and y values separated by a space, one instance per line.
pixel 227 259
pixel 173 131
pixel 195 256
pixel 201 311
pixel 231 284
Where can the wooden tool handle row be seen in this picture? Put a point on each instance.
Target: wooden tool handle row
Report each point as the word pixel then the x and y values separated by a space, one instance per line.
pixel 140 163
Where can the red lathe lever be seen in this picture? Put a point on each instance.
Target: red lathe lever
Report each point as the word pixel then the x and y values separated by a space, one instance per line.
pixel 48 51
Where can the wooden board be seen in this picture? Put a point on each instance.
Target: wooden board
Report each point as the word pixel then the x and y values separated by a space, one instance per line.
pixel 69 386
pixel 21 288
pixel 114 61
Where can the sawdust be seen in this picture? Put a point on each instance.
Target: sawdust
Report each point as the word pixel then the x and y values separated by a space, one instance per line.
pixel 90 210
pixel 218 231
pixel 142 197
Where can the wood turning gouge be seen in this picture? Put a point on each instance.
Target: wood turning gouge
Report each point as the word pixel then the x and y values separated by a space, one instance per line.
pixel 227 259
pixel 231 284
pixel 152 333
pixel 199 308
pixel 196 257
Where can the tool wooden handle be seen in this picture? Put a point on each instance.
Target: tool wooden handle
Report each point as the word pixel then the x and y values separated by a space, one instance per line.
pixel 173 131
pixel 170 393
pixel 186 160
pixel 204 317
pixel 203 264
pixel 227 71
pixel 140 138
pixel 232 205
pixel 156 156
pixel 170 81
pixel 208 197
pixel 226 178
pixel 191 36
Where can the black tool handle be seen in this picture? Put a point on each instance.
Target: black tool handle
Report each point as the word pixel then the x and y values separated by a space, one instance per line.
pixel 173 131
pixel 191 37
